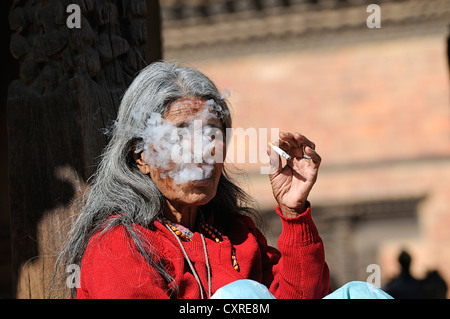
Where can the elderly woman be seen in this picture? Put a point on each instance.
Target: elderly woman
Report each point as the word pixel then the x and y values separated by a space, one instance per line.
pixel 159 221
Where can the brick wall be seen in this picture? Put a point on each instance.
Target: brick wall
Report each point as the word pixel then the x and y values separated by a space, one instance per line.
pixel 368 102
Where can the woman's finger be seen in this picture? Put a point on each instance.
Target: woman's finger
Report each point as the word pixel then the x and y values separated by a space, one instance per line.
pixel 303 140
pixel 284 145
pixel 295 149
pixel 312 154
pixel 275 162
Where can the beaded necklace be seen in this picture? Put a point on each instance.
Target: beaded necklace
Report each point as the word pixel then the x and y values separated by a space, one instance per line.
pixel 212 232
pixel 181 231
pixel 185 234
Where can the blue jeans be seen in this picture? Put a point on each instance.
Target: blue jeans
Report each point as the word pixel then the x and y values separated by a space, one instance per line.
pixel 358 290
pixel 250 289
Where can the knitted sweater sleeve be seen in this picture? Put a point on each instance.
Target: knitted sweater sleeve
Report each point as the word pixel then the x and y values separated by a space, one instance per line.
pixel 298 269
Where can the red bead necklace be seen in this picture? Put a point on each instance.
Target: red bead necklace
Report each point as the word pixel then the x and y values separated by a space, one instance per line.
pixel 213 233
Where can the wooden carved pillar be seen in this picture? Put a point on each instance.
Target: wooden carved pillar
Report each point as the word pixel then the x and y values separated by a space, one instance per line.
pixel 70 84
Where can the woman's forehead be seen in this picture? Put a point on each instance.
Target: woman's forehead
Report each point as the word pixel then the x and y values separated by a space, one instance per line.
pixel 185 108
pixel 187 105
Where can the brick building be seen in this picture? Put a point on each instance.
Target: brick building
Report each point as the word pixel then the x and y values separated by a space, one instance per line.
pixel 375 102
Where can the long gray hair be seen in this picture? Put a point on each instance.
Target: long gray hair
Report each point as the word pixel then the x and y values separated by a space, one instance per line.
pixel 119 194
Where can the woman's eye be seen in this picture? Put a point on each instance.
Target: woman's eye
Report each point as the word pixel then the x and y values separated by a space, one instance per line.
pixel 212 132
pixel 180 133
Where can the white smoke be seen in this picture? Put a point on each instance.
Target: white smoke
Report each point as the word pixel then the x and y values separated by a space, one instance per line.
pixel 183 154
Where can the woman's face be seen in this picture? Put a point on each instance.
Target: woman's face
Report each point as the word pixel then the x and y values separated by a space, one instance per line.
pixel 201 187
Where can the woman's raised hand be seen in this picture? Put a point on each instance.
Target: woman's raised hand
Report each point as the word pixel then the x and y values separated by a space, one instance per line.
pixel 292 183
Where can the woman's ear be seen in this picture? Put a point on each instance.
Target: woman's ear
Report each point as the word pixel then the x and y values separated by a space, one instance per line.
pixel 140 161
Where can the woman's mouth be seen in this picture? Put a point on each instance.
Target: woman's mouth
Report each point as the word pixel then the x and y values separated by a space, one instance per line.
pixel 201 182
pixel 206 177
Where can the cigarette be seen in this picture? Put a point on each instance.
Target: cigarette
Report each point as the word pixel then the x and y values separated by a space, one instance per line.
pixel 284 154
pixel 280 151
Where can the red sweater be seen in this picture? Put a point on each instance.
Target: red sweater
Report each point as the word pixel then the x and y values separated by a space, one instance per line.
pixel 113 268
